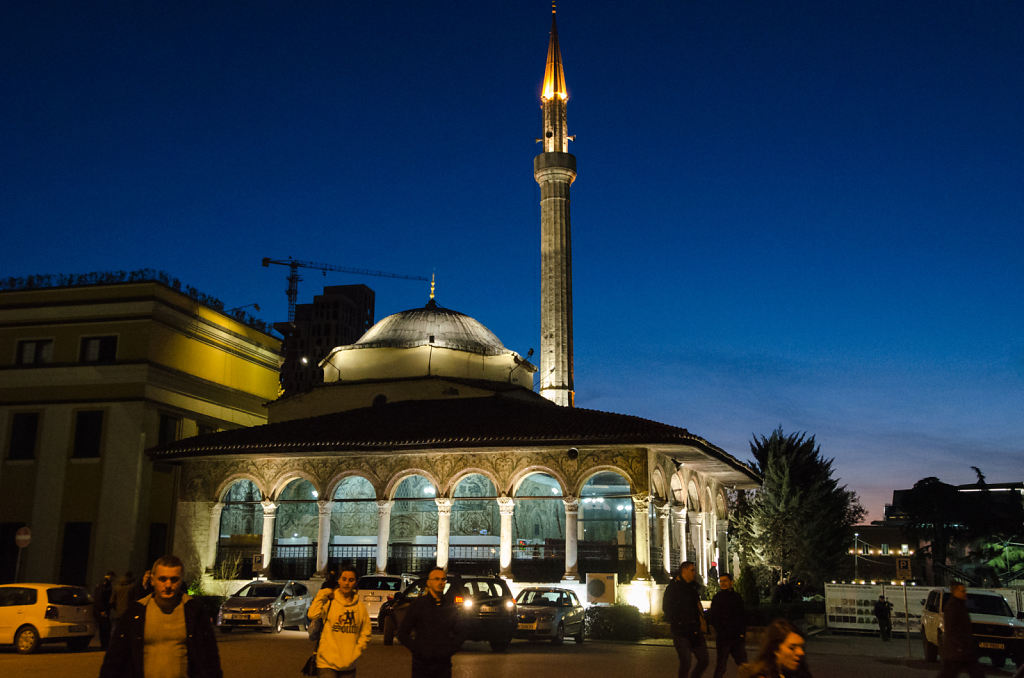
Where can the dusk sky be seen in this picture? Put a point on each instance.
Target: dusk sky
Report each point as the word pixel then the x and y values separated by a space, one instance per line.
pixel 806 214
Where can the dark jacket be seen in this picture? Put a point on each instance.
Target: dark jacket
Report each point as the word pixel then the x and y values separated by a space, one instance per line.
pixel 430 628
pixel 124 658
pixel 957 643
pixel 883 609
pixel 101 598
pixel 682 608
pixel 727 615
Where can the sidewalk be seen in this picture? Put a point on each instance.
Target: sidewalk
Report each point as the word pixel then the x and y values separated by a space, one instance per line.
pixel 853 645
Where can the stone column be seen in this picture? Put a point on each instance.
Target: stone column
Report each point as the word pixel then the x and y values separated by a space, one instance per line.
pixel 383 533
pixel 506 506
pixel 572 512
pixel 269 522
pixel 323 533
pixel 723 551
pixel 683 528
pixel 444 529
pixel 665 529
pixel 642 544
pixel 213 539
pixel 702 533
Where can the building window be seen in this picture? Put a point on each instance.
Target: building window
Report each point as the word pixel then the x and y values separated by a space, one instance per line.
pixel 904 549
pixel 885 549
pixel 24 430
pixel 35 352
pixel 170 429
pixel 98 350
pixel 88 433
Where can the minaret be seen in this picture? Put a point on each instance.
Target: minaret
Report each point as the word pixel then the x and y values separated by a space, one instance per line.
pixel 555 169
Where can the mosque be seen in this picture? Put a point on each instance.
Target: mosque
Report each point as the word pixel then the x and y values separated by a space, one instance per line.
pixel 426 444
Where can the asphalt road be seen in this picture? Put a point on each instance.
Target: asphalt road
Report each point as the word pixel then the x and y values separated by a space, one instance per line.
pixel 262 655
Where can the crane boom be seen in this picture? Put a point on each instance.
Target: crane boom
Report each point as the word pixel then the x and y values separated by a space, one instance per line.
pixel 293 276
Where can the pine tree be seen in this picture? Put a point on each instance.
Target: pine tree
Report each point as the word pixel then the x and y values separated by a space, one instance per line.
pixel 800 521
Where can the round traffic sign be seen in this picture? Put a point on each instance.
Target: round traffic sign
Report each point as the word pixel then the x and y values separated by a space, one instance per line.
pixel 23 537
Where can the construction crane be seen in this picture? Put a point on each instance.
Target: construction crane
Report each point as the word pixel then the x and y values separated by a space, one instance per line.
pixel 293 276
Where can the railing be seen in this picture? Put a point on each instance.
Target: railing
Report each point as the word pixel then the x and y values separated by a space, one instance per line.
pixel 411 557
pixel 293 561
pixel 228 555
pixel 362 557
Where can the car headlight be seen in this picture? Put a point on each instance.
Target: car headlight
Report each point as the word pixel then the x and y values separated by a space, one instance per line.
pixel 510 605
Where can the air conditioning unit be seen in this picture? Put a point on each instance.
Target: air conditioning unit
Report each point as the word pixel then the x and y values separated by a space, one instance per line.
pixel 601 587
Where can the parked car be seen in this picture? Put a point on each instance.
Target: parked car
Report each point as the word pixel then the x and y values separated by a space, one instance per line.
pixel 32 614
pixel 374 589
pixel 997 633
pixel 487 608
pixel 549 612
pixel 266 604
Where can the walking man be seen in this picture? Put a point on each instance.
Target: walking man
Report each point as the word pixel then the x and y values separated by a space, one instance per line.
pixel 430 630
pixel 730 622
pixel 686 618
pixel 883 613
pixel 165 635
pixel 101 607
pixel 958 651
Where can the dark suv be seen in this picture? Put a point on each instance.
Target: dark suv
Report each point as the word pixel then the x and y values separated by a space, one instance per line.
pixel 487 608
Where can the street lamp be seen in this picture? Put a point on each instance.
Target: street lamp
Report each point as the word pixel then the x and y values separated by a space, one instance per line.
pixel 856 549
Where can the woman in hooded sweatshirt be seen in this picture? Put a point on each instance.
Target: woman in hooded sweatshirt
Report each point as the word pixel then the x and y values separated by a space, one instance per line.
pixel 781 655
pixel 346 627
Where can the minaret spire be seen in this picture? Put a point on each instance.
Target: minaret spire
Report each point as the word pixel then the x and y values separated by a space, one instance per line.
pixel 555 170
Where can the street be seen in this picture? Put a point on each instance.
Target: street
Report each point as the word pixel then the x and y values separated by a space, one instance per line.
pixel 262 655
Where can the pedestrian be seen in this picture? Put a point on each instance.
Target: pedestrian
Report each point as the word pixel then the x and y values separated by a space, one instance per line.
pixel 431 630
pixel 730 622
pixel 167 634
pixel 958 652
pixel 781 654
pixel 144 587
pixel 122 594
pixel 101 607
pixel 346 630
pixel 330 581
pixel 685 616
pixel 883 613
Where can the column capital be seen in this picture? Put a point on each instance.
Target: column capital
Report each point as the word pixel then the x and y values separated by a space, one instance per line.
pixel 269 507
pixel 641 501
pixel 384 505
pixel 572 504
pixel 664 510
pixel 444 505
pixel 506 505
pixel 324 506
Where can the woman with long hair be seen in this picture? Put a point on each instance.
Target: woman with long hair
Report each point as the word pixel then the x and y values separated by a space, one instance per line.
pixel 781 654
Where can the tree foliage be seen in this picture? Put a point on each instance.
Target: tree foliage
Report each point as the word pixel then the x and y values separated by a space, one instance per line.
pixel 800 522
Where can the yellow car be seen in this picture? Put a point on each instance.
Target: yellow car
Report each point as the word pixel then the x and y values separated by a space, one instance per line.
pixel 32 614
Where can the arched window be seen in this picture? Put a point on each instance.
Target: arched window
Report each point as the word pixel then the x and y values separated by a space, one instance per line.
pixel 295 531
pixel 538 529
pixel 475 526
pixel 354 526
pixel 606 526
pixel 412 540
pixel 241 531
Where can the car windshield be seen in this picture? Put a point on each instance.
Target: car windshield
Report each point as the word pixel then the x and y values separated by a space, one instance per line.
pixel 484 589
pixel 995 605
pixel 68 595
pixel 533 597
pixel 260 591
pixel 378 584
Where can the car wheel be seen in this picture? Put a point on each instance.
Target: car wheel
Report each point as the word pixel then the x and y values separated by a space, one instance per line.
pixel 389 630
pixel 579 636
pixel 500 645
pixel 278 623
pixel 80 643
pixel 559 634
pixel 26 640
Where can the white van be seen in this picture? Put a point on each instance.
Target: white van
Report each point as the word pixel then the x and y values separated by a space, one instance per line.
pixel 997 633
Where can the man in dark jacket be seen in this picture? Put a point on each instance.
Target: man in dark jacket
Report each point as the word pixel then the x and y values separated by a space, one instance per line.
pixel 101 607
pixel 430 630
pixel 958 652
pixel 166 634
pixel 883 613
pixel 730 622
pixel 685 615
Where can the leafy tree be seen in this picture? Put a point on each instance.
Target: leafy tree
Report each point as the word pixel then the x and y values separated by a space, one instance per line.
pixel 801 520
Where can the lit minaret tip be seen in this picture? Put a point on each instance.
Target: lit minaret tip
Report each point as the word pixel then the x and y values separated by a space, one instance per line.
pixel 555 170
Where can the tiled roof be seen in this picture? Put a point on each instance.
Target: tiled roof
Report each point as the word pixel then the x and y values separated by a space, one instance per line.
pixel 495 421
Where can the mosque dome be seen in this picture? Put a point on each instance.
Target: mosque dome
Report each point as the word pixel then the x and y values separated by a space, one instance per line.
pixel 431 325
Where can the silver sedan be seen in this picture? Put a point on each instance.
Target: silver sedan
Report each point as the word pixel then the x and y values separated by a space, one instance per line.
pixel 549 612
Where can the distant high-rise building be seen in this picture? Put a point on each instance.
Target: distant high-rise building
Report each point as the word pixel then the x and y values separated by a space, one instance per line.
pixel 337 317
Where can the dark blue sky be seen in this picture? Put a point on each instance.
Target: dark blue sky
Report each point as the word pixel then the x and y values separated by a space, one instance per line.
pixel 795 213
